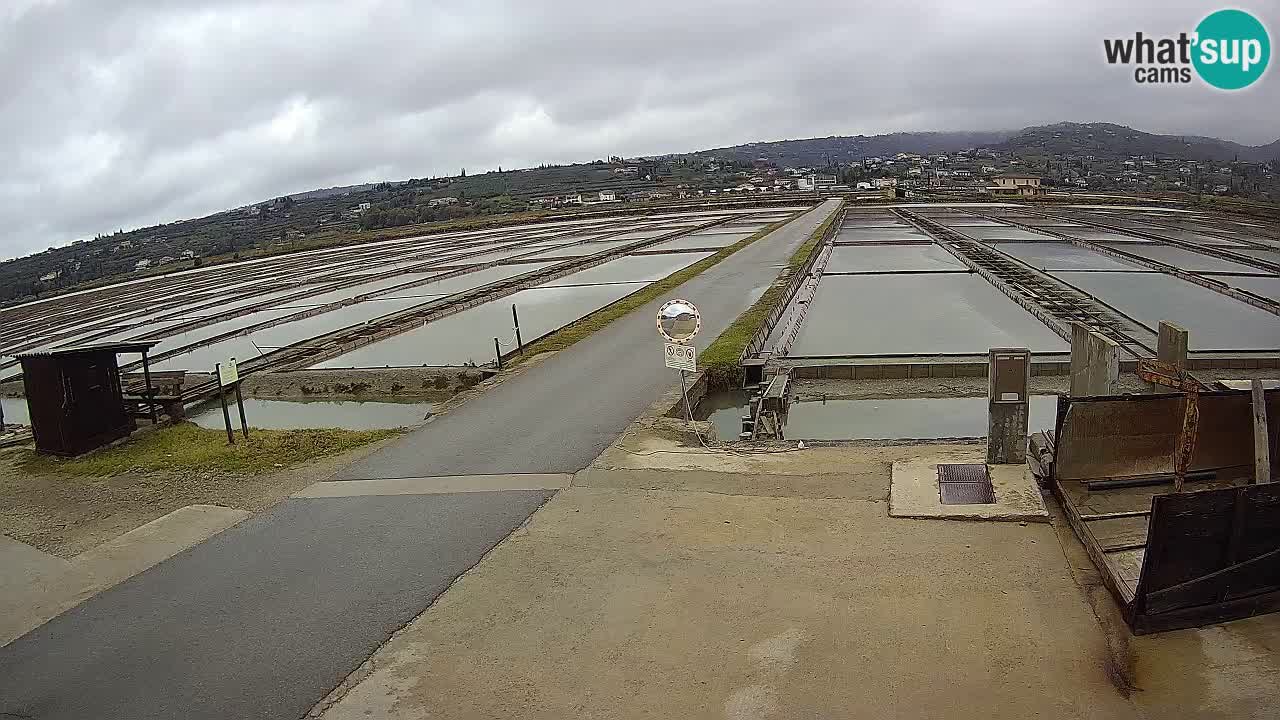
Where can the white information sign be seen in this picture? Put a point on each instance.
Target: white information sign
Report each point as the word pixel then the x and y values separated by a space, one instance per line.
pixel 228 373
pixel 680 357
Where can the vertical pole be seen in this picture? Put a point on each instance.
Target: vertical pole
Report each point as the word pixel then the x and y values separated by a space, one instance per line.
pixel 516 319
pixel 222 398
pixel 1187 438
pixel 684 391
pixel 151 393
pixel 244 425
pixel 1261 439
pixel 1008 403
pixel 1171 347
pixel 1 416
pixel 497 353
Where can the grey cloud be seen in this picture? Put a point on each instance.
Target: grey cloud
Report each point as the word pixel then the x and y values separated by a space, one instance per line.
pixel 119 114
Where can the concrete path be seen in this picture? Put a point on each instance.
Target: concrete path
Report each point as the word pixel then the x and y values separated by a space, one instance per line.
pixel 621 603
pixel 558 416
pixel 262 620
pixel 22 566
pixel 60 585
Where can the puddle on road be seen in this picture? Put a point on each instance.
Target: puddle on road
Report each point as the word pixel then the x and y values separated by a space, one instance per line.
pixel 888 419
pixel 315 414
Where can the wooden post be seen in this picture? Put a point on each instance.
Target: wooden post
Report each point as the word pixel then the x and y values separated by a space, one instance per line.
pixel 684 392
pixel 222 398
pixel 497 353
pixel 1186 439
pixel 1261 439
pixel 516 319
pixel 151 392
pixel 244 425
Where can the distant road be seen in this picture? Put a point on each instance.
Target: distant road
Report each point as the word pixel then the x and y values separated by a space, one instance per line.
pixel 561 414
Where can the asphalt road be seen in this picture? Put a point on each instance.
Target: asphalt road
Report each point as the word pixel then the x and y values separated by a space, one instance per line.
pixel 558 416
pixel 262 620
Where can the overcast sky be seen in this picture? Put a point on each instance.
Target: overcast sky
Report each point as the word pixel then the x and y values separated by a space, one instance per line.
pixel 122 113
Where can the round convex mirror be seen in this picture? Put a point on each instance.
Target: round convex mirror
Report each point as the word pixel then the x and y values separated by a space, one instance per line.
pixel 679 321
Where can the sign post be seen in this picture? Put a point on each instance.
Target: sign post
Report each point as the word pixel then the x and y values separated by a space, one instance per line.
pixel 678 322
pixel 229 377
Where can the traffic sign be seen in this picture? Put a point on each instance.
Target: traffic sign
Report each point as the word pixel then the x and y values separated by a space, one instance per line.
pixel 680 356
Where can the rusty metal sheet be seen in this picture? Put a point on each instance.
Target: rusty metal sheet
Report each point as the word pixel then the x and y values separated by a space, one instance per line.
pixel 1166 374
pixel 1124 436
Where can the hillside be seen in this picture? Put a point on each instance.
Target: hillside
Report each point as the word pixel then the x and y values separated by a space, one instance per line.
pixel 333 215
pixel 1105 140
pixel 840 149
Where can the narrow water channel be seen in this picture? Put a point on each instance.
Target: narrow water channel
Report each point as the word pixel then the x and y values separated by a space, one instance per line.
pixel 315 414
pixel 888 419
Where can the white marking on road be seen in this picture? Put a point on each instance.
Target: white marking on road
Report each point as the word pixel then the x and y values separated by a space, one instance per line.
pixel 436 485
pixel 773 658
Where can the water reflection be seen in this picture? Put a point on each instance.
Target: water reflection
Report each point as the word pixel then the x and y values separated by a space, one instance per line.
pixel 312 414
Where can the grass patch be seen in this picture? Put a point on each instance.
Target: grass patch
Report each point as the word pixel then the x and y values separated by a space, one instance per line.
pixel 186 446
pixel 720 361
pixel 585 327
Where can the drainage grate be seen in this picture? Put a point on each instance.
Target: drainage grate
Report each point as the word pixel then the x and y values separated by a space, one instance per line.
pixel 965 484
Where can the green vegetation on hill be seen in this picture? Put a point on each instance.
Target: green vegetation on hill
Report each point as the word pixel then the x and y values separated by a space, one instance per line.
pixel 1109 141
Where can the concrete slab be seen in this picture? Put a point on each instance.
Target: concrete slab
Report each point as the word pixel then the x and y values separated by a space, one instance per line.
pixel 913 492
pixel 434 485
pixel 22 566
pixel 615 604
pixel 854 481
pixel 109 564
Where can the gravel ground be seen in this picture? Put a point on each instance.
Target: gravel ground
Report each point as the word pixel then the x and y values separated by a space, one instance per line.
pixel 66 515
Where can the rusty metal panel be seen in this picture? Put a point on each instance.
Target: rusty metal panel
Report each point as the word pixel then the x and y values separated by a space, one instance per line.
pixel 1122 436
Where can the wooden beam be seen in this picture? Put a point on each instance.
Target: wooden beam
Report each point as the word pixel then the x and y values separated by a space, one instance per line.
pixel 1261 440
pixel 1122 547
pixel 1114 515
